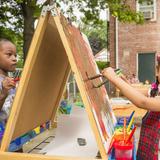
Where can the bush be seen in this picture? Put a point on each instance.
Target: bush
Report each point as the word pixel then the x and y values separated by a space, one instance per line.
pixel 101 65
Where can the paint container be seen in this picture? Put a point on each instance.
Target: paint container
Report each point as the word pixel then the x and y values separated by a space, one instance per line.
pixel 123 151
pixel 1 130
pixel 1 136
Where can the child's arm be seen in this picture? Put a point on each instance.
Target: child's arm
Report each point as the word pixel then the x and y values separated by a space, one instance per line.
pixel 144 91
pixel 132 94
pixel 7 84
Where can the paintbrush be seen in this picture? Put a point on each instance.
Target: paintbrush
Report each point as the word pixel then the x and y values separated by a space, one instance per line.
pixel 131 135
pixel 130 117
pixel 124 130
pixel 111 144
pixel 130 124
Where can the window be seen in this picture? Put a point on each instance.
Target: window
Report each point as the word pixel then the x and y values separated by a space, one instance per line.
pixel 148 9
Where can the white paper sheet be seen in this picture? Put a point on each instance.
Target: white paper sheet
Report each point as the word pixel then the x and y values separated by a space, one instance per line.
pixel 69 128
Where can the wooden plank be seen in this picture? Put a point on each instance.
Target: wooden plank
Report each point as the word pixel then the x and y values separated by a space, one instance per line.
pixel 126 110
pixel 24 82
pixel 41 86
pixel 45 87
pixel 62 90
pixel 80 79
pixel 23 156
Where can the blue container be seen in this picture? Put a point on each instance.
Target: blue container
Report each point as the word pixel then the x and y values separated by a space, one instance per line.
pixel 25 139
pixel 68 108
pixel 121 120
pixel 15 145
pixel 1 130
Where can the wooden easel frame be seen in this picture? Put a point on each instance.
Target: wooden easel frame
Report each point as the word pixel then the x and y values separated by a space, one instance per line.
pixel 38 36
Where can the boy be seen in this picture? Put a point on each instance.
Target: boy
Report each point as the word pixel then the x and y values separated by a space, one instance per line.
pixel 8 63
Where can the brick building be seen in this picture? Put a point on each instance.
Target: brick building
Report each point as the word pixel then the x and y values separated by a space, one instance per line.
pixel 133 48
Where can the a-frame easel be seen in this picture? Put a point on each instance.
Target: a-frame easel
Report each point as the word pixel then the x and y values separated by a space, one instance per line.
pixel 56 48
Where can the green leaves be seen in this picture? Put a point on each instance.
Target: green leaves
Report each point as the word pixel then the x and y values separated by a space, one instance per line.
pixel 91 10
pixel 102 65
pixel 124 12
pixel 97 35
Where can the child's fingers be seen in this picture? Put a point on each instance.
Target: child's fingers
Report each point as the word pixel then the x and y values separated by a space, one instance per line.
pixel 9 86
pixel 8 83
pixel 8 80
pixel 12 84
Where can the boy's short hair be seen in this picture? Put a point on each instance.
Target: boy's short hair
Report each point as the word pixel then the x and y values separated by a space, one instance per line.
pixel 3 40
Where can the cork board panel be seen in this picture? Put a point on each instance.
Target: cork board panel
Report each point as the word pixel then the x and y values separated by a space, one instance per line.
pixel 44 86
pixel 97 97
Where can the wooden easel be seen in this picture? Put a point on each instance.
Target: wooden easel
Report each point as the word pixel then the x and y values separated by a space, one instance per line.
pixel 56 48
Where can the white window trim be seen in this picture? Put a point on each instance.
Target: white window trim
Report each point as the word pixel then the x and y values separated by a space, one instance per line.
pixel 154 6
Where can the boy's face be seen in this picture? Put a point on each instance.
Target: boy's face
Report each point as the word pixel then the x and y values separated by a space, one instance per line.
pixel 8 59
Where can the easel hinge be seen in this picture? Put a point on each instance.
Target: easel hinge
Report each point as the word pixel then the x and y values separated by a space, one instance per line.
pixel 49 8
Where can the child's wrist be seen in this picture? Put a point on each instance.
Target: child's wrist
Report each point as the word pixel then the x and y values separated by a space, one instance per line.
pixel 3 97
pixel 3 94
pixel 114 78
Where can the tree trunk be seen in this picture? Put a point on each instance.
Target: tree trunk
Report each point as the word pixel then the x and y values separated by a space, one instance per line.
pixel 28 14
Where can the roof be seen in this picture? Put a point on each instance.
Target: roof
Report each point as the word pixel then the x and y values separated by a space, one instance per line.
pixel 102 55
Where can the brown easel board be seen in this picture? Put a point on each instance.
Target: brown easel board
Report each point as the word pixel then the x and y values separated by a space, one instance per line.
pixel 57 47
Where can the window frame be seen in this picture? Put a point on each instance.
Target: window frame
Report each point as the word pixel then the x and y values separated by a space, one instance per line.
pixel 154 9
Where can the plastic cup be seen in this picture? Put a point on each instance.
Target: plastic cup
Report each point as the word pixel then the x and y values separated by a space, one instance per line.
pixel 120 137
pixel 123 151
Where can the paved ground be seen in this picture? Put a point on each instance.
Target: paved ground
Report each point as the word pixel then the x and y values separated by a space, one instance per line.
pixel 39 142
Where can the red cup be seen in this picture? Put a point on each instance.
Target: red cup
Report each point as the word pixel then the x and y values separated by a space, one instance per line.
pixel 123 151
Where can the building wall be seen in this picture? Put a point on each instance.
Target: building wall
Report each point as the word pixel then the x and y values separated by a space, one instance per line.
pixel 112 41
pixel 134 39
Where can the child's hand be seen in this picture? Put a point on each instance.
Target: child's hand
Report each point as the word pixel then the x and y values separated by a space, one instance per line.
pixel 8 83
pixel 109 73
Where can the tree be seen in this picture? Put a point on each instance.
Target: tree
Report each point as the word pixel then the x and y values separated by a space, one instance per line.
pixel 118 8
pixel 19 15
pixel 97 35
pixel 18 18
